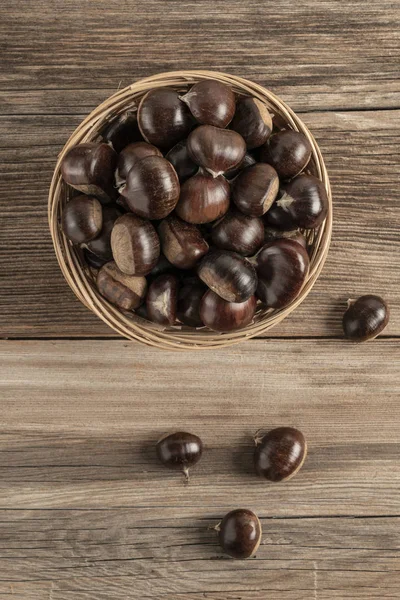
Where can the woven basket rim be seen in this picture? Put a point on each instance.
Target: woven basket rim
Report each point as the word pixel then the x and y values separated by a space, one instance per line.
pixel 80 278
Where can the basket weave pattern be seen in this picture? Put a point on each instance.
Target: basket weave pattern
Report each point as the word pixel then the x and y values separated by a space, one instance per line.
pixel 81 278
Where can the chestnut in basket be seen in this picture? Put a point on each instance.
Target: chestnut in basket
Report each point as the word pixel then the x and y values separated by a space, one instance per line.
pixel 246 162
pixel 101 244
pixel 82 219
pixel 211 102
pixel 131 155
pixel 229 275
pixel 180 451
pixel 282 267
pixel 181 242
pixel 216 150
pixel 135 245
pixel 239 233
pixel 240 533
pixel 253 121
pixel 189 299
pixel 280 453
pixel 288 152
pixel 125 291
pixel 179 158
pixel 303 202
pixel 203 198
pixel 163 118
pixel 220 315
pixel 90 169
pixel 152 188
pixel 271 234
pixel 162 299
pixel 365 318
pixel 121 131
pixel 255 189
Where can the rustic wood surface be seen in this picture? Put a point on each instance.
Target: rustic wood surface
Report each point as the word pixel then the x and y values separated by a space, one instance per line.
pixel 86 512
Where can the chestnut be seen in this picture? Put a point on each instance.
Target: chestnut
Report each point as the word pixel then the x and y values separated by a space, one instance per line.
pixel 219 315
pixel 162 299
pixel 181 242
pixel 179 158
pixel 93 261
pixel 101 244
pixel 280 453
pixel 163 118
pixel 282 267
pixel 189 299
pixel 135 245
pixel 90 169
pixel 239 233
pixel 288 152
pixel 211 102
pixel 253 121
pixel 203 198
pixel 365 318
pixel 229 275
pixel 246 162
pixel 271 234
pixel 121 131
pixel 125 291
pixel 82 219
pixel 179 451
pixel 131 155
pixel 303 203
pixel 152 188
pixel 240 533
pixel 216 150
pixel 255 189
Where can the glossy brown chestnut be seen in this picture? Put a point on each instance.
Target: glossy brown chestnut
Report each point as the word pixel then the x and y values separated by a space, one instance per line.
pixel 162 299
pixel 239 233
pixel 271 234
pixel 125 291
pixel 131 155
pixel 122 130
pixel 280 453
pixel 282 267
pixel 229 275
pixel 152 188
pixel 365 318
pixel 101 244
pixel 216 150
pixel 303 202
pixel 246 162
pixel 203 199
pixel 163 118
pixel 288 152
pixel 179 451
pixel 220 315
pixel 255 189
pixel 211 102
pixel 189 299
pixel 181 242
pixel 82 219
pixel 253 121
pixel 135 245
pixel 179 158
pixel 240 533
pixel 90 169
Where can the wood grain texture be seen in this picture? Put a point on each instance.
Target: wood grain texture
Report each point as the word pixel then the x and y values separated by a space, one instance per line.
pixel 87 512
pixel 361 153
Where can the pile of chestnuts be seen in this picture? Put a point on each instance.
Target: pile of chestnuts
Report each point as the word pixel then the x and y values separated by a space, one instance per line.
pixel 192 207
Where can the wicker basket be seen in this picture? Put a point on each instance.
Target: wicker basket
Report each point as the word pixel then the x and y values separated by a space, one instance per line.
pixel 81 279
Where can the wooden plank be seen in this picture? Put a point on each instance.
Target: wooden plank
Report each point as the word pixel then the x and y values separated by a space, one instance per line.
pixel 80 421
pixel 317 55
pixel 361 153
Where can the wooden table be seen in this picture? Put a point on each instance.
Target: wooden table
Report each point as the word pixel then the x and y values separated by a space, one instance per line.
pixel 86 511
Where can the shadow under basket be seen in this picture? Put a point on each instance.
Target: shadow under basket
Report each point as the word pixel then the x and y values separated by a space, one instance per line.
pixel 81 278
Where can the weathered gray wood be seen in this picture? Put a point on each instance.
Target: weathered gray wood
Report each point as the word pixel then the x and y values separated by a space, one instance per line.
pixel 316 54
pixel 361 152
